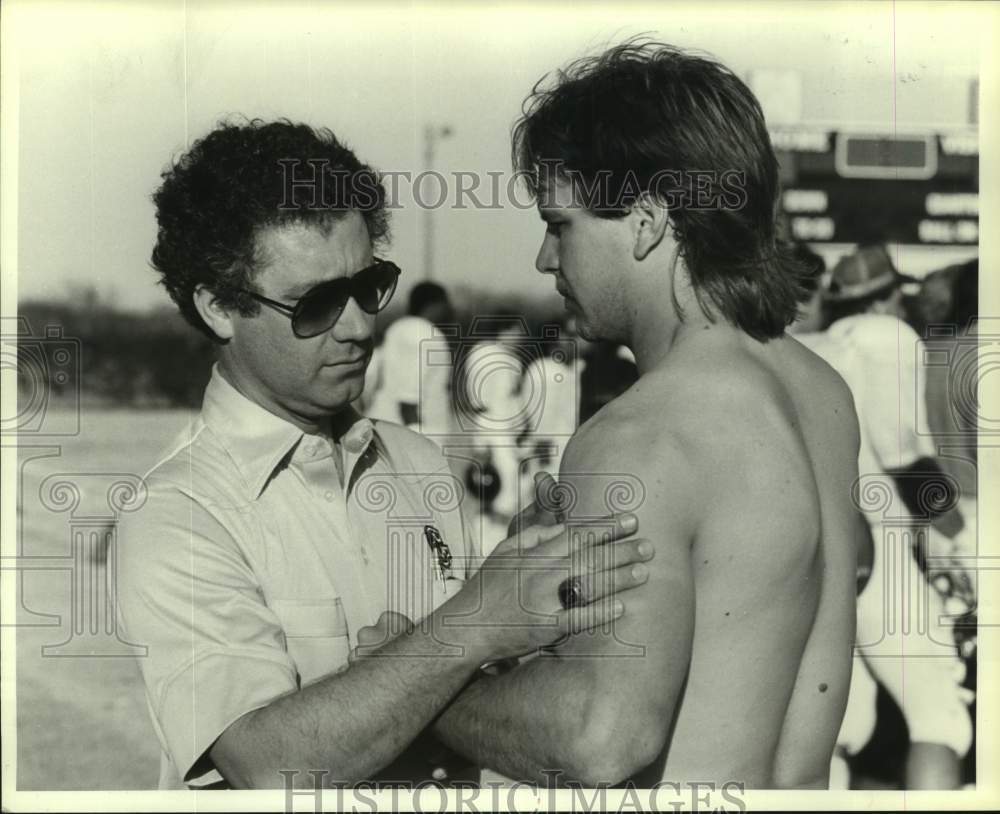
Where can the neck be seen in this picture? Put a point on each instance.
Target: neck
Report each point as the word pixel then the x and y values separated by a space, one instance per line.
pixel 247 387
pixel 657 329
pixel 655 338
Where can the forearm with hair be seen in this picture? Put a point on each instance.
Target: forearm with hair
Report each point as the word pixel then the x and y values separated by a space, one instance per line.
pixel 349 725
pixel 526 723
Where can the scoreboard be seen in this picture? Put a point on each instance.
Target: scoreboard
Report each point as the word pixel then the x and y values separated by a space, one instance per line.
pixel 851 186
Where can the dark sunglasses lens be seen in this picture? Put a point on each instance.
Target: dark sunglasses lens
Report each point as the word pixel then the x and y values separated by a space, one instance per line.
pixel 374 286
pixel 319 309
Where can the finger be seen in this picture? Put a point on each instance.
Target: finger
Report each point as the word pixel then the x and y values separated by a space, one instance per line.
pixel 608 584
pixel 593 559
pixel 589 617
pixel 528 516
pixel 542 476
pixel 604 530
pixel 544 485
pixel 394 624
pixel 371 635
pixel 548 498
pixel 390 625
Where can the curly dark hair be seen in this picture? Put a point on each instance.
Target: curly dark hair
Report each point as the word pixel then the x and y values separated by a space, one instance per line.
pixel 645 117
pixel 241 178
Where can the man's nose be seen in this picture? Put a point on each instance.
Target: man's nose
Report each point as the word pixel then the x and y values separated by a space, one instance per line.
pixel 354 325
pixel 547 260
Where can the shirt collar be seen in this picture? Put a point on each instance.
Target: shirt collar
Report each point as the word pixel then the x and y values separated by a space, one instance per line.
pixel 258 440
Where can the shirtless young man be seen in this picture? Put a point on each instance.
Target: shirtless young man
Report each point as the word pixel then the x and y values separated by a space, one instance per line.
pixel 745 443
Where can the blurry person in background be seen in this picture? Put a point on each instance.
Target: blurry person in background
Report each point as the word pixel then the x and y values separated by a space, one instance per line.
pixel 496 409
pixel 865 282
pixel 906 648
pixel 742 443
pixel 430 301
pixel 607 370
pixel 811 317
pixel 409 380
pixel 551 391
pixel 260 572
pixel 945 314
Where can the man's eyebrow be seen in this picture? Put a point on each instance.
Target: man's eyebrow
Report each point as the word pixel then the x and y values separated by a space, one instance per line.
pixel 297 291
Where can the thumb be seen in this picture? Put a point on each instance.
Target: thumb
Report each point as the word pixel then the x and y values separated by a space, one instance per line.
pixel 538 534
pixel 394 624
pixel 548 494
pixel 544 483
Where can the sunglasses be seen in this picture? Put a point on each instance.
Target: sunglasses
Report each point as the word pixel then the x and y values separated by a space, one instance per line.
pixel 318 310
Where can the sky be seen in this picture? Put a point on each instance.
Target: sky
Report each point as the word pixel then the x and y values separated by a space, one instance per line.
pixel 107 94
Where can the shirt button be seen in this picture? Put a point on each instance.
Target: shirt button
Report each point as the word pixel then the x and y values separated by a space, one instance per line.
pixel 329 496
pixel 440 773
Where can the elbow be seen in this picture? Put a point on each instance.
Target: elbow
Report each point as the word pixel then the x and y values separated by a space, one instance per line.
pixel 248 758
pixel 267 777
pixel 613 747
pixel 241 773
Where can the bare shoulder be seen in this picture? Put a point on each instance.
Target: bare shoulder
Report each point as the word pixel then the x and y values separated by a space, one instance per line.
pixel 627 457
pixel 830 393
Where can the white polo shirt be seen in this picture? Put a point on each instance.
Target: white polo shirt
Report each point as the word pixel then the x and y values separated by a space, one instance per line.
pixel 249 570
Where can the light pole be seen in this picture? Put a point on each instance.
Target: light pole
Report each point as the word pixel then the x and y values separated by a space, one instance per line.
pixel 433 133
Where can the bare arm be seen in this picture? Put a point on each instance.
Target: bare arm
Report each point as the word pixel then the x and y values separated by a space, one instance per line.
pixel 382 703
pixel 599 708
pixel 352 724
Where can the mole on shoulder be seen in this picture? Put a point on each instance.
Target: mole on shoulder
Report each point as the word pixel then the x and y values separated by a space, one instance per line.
pixel 822 688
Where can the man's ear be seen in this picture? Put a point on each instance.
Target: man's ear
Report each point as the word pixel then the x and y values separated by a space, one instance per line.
pixel 650 222
pixel 213 312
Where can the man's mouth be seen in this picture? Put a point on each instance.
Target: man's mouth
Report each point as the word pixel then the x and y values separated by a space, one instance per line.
pixel 353 361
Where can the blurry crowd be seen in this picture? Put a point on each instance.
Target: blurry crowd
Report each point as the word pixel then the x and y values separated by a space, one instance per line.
pixel 502 397
pixel 503 401
pixel 907 350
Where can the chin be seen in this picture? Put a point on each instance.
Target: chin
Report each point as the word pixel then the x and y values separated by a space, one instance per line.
pixel 337 396
pixel 586 331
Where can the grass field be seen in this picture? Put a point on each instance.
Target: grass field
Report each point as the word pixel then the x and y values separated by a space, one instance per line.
pixel 82 721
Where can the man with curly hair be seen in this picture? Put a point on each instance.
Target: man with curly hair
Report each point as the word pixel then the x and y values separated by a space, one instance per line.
pixel 298 574
pixel 656 181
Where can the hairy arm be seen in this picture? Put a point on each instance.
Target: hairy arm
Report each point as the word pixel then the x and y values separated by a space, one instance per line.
pixel 382 702
pixel 598 707
pixel 356 722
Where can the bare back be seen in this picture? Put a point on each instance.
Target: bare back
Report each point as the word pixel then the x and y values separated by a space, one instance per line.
pixel 772 433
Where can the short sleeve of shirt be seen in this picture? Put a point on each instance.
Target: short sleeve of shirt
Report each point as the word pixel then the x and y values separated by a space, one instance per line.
pixel 891 399
pixel 214 650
